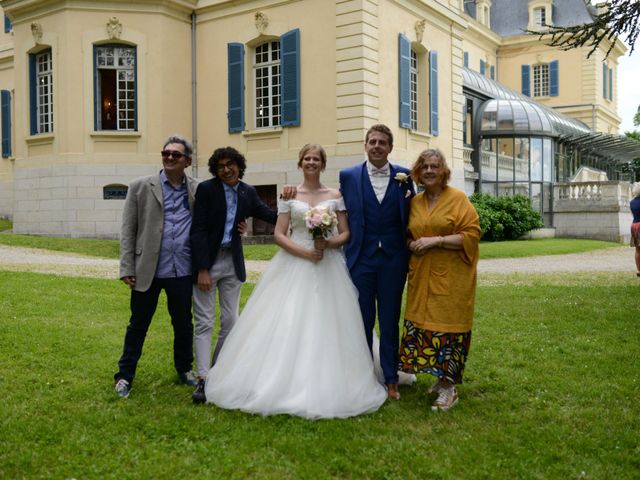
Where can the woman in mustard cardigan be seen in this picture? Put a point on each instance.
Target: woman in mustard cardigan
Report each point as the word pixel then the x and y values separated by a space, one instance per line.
pixel 444 232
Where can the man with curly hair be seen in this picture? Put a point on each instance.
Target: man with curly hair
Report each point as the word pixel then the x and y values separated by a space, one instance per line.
pixel 222 204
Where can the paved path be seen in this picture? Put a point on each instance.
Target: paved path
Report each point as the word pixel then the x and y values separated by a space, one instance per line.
pixel 615 259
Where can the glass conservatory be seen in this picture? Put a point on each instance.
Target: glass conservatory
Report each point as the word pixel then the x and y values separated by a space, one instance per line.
pixel 520 146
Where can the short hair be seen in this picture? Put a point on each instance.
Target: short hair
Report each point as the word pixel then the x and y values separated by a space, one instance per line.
pixel 416 169
pixel 313 146
pixel 229 153
pixel 635 190
pixel 175 138
pixel 379 127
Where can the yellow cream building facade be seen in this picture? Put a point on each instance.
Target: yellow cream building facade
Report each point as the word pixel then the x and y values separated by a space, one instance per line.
pixel 91 89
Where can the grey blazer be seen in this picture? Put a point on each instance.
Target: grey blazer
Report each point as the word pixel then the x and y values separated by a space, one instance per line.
pixel 142 223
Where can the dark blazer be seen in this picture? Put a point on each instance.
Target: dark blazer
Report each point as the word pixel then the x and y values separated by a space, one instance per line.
pixel 209 216
pixel 353 193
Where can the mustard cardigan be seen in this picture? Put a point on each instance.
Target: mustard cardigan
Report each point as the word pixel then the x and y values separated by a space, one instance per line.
pixel 442 283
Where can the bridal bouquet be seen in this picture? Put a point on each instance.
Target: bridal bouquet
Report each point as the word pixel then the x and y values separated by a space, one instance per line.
pixel 320 221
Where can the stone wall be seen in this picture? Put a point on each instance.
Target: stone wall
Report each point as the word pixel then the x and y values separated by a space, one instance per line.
pixel 595 210
pixel 67 200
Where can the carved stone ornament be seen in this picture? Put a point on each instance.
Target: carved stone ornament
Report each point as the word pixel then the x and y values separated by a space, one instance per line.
pixel 114 28
pixel 36 31
pixel 262 22
pixel 420 25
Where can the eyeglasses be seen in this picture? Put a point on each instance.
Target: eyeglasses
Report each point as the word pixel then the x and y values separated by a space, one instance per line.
pixel 428 166
pixel 173 154
pixel 221 166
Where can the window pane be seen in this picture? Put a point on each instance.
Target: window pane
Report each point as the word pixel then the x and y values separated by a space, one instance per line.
pixel 267 84
pixel 116 87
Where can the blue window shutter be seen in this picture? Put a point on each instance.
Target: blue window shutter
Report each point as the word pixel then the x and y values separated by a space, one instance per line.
pixel 290 58
pixel 482 67
pixel 604 81
pixel 553 79
pixel 433 91
pixel 466 59
pixel 33 96
pixel 7 24
pixel 493 72
pixel 404 80
pixel 611 84
pixel 526 82
pixel 5 108
pixel 235 114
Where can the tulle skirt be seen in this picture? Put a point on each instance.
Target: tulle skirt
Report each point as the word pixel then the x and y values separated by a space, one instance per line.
pixel 298 347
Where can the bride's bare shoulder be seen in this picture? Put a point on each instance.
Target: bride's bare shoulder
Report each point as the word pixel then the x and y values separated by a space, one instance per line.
pixel 334 193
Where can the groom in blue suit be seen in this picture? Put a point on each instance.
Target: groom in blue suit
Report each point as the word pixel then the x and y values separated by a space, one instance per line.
pixel 377 196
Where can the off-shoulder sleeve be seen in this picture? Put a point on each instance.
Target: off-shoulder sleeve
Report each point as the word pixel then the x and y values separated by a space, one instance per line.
pixel 284 206
pixel 339 205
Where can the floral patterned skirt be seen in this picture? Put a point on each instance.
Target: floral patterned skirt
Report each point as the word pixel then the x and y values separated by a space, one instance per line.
pixel 441 354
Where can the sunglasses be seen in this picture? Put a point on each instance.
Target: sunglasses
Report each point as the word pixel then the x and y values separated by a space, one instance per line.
pixel 173 154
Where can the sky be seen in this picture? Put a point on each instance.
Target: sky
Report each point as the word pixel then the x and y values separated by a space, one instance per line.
pixel 628 88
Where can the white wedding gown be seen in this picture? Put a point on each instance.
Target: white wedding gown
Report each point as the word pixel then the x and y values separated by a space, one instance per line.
pixel 299 347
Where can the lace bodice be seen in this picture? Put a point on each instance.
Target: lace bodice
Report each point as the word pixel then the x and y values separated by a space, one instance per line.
pixel 297 208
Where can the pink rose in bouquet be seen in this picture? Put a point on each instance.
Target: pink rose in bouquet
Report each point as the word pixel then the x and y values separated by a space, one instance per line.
pixel 320 221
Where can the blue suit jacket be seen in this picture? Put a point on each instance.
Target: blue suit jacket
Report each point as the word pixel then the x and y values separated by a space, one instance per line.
pixel 209 217
pixel 352 190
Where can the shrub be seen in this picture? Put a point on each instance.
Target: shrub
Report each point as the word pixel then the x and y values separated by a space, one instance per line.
pixel 505 217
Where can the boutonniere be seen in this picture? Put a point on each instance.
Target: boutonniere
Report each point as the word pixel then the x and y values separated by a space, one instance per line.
pixel 401 177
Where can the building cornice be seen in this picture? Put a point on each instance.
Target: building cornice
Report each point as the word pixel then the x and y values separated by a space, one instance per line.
pixel 25 10
pixel 520 41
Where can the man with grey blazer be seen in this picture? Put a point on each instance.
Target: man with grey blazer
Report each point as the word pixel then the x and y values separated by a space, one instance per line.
pixel 155 255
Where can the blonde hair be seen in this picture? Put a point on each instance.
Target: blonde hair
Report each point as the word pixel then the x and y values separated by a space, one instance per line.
pixel 635 190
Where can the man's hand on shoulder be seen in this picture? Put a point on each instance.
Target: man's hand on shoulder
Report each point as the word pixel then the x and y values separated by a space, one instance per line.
pixel 289 192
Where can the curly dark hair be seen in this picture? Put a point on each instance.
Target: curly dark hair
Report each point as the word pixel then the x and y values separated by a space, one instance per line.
pixel 230 154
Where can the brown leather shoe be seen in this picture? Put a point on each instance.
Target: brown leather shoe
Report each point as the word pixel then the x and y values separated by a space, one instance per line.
pixel 392 391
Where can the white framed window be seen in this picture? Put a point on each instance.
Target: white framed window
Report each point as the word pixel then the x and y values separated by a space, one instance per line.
pixel 541 80
pixel 414 75
pixel 267 81
pixel 44 92
pixel 115 77
pixel 540 17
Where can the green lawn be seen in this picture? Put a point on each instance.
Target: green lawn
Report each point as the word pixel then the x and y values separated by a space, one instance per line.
pixel 111 248
pixel 550 392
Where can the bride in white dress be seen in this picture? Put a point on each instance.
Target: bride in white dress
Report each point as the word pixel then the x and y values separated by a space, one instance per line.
pixel 299 346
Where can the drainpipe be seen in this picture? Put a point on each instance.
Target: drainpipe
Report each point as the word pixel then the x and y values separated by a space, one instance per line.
pixel 194 103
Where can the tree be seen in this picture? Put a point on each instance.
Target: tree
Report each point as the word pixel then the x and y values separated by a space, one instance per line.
pixel 617 18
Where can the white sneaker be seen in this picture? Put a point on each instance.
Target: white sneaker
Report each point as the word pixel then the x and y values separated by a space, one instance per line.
pixel 123 388
pixel 405 378
pixel 447 398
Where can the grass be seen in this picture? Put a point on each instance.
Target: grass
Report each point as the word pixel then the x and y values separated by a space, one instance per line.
pixel 111 248
pixel 550 392
pixel 82 246
pixel 542 246
pixel 5 224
